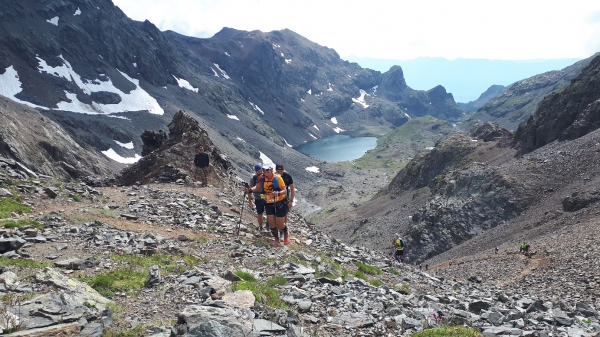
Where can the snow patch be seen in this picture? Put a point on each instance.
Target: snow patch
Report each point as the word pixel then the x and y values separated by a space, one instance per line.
pixel 233 117
pixel 405 114
pixel 333 120
pixel 310 91
pixel 136 100
pixel 238 138
pixel 288 61
pixel 78 11
pixel 127 145
pixel 286 143
pixel 185 84
pixel 266 160
pixel 110 153
pixel 361 100
pixel 53 21
pixel 338 130
pixel 310 134
pixel 223 73
pixel 256 107
pixel 312 169
pixel 214 72
pixel 226 53
pixel 316 127
pixel 10 85
pixel 135 64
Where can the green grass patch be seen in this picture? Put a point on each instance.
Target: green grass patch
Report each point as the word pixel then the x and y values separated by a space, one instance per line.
pixel 24 263
pixel 265 293
pixel 393 271
pixel 123 279
pixel 245 276
pixel 365 268
pixel 449 331
pixel 10 205
pixel 361 275
pixel 20 223
pixel 76 198
pixel 375 282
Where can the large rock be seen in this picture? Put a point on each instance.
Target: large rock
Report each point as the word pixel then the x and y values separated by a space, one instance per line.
pixel 200 321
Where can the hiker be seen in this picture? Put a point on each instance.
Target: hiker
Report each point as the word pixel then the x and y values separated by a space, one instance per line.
pixel 258 201
pixel 273 190
pixel 399 253
pixel 201 162
pixel 522 248
pixel 289 187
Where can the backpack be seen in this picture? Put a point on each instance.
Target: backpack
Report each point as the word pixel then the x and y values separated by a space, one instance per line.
pixel 399 243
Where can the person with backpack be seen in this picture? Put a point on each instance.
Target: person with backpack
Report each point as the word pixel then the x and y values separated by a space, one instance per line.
pixel 201 161
pixel 399 245
pixel 273 191
pixel 258 201
pixel 289 187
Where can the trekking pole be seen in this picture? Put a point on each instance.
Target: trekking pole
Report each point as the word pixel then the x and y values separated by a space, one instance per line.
pixel 241 213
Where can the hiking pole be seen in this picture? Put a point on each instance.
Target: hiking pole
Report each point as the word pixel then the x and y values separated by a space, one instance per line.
pixel 241 211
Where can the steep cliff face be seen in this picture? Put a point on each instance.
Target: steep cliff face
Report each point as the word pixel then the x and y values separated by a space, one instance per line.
pixel 564 115
pixel 519 101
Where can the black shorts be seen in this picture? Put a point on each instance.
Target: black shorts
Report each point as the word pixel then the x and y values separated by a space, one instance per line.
pixel 399 252
pixel 260 205
pixel 279 209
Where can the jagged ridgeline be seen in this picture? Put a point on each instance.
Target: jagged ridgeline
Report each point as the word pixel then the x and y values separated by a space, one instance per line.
pixel 104 78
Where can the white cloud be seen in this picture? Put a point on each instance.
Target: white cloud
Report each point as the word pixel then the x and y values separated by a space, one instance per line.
pixel 509 29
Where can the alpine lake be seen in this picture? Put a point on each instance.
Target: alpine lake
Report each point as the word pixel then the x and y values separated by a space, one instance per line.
pixel 338 148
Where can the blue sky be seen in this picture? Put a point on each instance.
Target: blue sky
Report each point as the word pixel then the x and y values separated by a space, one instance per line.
pixel 400 29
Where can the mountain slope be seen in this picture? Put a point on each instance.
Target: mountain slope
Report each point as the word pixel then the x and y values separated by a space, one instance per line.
pixel 472 183
pixel 519 100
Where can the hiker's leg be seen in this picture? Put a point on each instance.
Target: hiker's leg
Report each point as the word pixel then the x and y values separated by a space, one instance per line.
pixel 260 209
pixel 205 175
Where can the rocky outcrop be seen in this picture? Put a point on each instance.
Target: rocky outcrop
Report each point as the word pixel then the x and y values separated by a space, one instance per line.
pixel 449 154
pixel 564 115
pixel 173 159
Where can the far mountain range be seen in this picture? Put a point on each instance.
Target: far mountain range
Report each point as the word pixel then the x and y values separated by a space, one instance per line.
pixel 464 78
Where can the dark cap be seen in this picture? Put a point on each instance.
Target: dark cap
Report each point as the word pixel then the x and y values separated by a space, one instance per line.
pixel 279 167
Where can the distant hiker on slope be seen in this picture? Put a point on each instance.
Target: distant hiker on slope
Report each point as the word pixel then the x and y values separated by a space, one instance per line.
pixel 289 187
pixel 258 201
pixel 522 248
pixel 274 193
pixel 201 161
pixel 399 252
